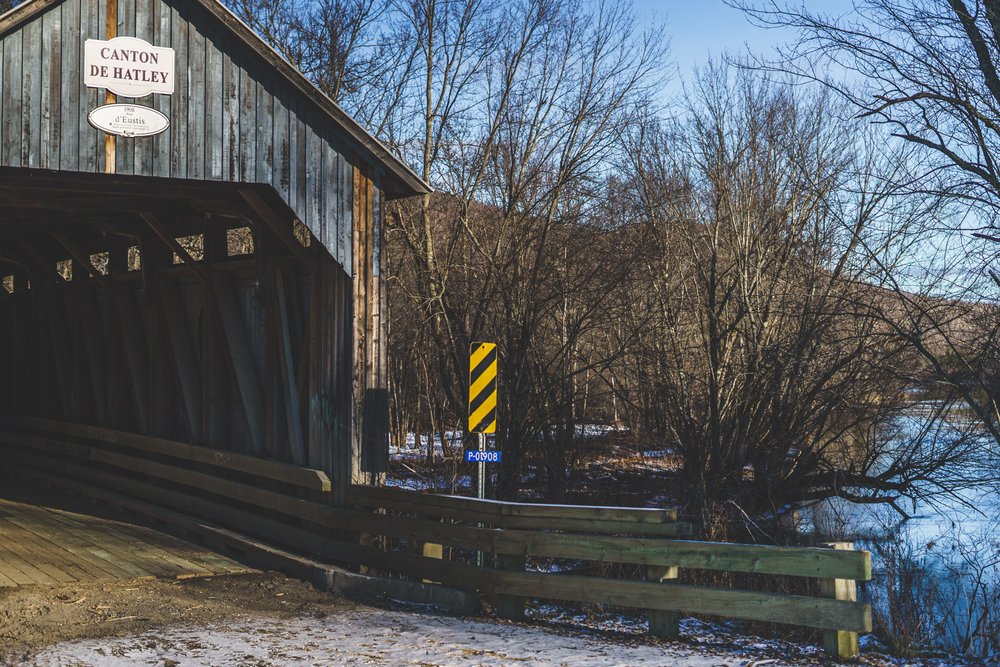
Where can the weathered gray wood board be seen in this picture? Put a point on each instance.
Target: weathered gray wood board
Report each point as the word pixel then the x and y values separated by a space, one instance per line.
pixel 234 116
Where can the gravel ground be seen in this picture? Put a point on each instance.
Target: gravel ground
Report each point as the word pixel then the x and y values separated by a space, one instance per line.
pixel 35 617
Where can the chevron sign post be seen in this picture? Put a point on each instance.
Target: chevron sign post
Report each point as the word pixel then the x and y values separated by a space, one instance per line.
pixel 482 404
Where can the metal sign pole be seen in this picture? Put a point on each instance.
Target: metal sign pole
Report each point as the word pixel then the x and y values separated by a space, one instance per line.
pixel 482 411
pixel 482 466
pixel 482 485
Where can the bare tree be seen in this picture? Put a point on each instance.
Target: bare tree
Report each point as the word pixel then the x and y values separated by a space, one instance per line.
pixel 927 72
pixel 769 367
pixel 278 22
pixel 518 124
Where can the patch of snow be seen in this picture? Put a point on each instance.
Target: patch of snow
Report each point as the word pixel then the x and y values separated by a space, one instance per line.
pixel 416 449
pixel 409 483
pixel 596 430
pixel 379 637
pixel 439 482
pixel 371 636
pixel 657 453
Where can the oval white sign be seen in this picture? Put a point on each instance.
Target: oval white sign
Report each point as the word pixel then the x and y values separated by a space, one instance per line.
pixel 128 120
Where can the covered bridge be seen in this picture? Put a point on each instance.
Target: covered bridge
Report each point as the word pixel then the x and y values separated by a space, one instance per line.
pixel 205 267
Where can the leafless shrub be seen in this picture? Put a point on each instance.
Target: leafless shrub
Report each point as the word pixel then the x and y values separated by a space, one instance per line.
pixel 903 597
pixel 938 596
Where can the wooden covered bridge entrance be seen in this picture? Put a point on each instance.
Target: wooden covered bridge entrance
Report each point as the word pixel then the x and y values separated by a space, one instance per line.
pixel 193 289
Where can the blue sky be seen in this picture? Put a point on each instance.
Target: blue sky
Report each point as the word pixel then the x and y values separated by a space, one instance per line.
pixel 706 28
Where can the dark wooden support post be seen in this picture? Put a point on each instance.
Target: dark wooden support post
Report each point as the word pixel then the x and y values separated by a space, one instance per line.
pixel 510 606
pixel 80 395
pixel 663 624
pixel 134 346
pixel 55 383
pixel 840 644
pixel 177 330
pixel 185 362
pixel 287 379
pixel 117 374
pixel 242 361
pixel 326 443
pixel 55 322
pixel 160 388
pixel 275 439
pixel 215 387
pixel 19 355
pixel 94 349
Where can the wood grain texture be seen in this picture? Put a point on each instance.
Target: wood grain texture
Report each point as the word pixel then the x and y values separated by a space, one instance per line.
pixel 236 114
pixel 838 643
pixel 42 545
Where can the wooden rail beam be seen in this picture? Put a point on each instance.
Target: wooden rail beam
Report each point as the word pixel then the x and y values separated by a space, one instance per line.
pixel 364 493
pixel 307 478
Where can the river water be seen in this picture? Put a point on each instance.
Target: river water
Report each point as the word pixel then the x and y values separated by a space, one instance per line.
pixel 941 567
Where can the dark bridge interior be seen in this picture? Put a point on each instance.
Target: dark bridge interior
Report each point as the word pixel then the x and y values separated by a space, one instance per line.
pixel 194 311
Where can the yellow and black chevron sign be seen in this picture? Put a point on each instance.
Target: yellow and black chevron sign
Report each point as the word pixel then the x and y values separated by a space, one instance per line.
pixel 483 388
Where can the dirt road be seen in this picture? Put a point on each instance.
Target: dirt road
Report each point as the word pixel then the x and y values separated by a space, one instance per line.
pixel 32 618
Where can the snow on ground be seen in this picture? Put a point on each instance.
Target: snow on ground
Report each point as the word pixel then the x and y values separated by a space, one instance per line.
pixel 373 636
pixel 368 636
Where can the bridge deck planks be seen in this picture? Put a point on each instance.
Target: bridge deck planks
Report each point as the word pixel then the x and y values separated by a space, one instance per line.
pixel 42 545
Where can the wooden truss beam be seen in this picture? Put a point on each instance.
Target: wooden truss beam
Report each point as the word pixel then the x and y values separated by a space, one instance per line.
pixel 84 261
pixel 164 235
pixel 280 227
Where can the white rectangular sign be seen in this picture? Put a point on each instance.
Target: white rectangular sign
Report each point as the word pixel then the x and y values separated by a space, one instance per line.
pixel 128 66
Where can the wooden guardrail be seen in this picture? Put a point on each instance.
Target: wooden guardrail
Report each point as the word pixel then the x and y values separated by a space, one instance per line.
pixel 290 506
pixel 636 536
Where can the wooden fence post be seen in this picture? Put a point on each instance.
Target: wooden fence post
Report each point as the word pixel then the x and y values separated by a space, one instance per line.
pixel 510 606
pixel 664 624
pixel 840 643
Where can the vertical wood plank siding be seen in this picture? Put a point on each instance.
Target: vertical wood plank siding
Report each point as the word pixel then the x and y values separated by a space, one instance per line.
pixel 232 117
pixel 273 355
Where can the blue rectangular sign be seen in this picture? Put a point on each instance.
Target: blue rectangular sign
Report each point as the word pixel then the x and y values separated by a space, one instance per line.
pixel 474 456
